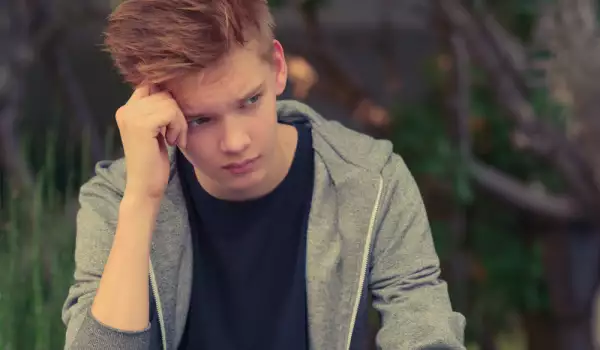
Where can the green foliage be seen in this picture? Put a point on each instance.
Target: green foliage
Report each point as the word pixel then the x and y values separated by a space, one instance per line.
pixel 37 230
pixel 276 3
pixel 512 281
pixel 514 270
pixel 36 244
pixel 494 146
pixel 516 15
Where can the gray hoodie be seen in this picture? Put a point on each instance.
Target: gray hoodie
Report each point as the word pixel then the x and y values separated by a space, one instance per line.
pixel 367 232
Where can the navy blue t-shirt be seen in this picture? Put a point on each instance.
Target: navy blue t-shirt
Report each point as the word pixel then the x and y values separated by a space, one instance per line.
pixel 249 287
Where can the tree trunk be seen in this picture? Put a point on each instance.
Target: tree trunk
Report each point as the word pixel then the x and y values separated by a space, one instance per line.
pixel 571 260
pixel 15 56
pixel 541 332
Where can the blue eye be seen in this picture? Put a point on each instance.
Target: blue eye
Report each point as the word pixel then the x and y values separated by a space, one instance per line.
pixel 198 121
pixel 252 100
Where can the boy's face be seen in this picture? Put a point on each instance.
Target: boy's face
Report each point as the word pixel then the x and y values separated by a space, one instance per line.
pixel 232 120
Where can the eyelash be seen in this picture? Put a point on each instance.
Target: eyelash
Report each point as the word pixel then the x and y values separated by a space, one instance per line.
pixel 256 99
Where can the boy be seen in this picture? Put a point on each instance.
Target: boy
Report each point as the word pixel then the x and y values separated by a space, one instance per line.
pixel 238 222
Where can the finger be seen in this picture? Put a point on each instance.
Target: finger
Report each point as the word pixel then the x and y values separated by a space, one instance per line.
pixel 172 133
pixel 160 96
pixel 177 129
pixel 177 125
pixel 140 92
pixel 182 140
pixel 159 111
pixel 165 118
pixel 161 143
pixel 153 103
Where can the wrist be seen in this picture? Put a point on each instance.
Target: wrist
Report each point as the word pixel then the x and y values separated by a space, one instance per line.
pixel 139 203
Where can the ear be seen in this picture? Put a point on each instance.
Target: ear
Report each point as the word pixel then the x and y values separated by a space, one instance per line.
pixel 280 67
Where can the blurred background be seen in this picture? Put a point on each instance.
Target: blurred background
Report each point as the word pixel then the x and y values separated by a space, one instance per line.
pixel 491 103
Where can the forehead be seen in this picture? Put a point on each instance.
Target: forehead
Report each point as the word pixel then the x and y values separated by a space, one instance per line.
pixel 218 87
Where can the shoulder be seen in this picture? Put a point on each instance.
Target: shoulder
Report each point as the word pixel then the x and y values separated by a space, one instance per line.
pixel 334 141
pixel 349 153
pixel 355 152
pixel 108 179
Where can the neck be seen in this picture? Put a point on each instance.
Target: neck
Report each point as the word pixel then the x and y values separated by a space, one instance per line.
pixel 287 140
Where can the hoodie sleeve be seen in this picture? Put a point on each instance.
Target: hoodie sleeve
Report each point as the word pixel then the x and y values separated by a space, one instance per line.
pixel 405 273
pixel 96 223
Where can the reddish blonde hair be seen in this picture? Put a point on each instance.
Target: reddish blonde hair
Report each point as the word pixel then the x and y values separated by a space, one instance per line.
pixel 153 41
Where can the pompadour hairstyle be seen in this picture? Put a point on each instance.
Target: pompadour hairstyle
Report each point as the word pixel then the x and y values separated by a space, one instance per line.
pixel 153 41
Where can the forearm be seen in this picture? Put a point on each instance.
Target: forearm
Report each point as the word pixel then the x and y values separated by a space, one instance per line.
pixel 416 313
pixel 122 298
pixel 413 301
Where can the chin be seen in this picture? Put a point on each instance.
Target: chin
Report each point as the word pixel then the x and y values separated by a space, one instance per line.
pixel 245 184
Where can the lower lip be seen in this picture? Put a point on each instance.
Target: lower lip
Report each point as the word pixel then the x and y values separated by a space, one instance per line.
pixel 244 169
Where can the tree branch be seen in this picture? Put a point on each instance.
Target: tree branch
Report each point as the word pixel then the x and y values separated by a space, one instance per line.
pixel 541 138
pixel 502 185
pixel 494 181
pixel 508 93
pixel 461 100
pixel 508 49
pixel 369 115
pixel 515 53
pixel 458 95
pixel 384 46
pixel 524 197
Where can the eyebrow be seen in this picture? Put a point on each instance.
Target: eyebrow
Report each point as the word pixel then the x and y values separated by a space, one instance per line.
pixel 255 91
pixel 252 93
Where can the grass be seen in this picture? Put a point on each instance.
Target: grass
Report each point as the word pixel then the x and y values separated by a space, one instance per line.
pixel 38 267
pixel 37 237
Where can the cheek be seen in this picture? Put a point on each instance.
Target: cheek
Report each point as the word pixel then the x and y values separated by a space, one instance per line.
pixel 264 131
pixel 268 111
pixel 199 148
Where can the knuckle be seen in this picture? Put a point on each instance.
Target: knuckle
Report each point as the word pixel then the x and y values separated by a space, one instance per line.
pixel 120 114
pixel 163 95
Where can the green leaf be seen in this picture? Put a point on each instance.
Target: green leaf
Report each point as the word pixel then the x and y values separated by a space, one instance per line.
pixel 462 186
pixel 276 3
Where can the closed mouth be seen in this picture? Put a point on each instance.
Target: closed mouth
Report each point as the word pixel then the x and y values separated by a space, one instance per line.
pixel 239 164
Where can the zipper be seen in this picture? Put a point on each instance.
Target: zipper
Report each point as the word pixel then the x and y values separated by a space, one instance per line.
pixel 159 311
pixel 366 253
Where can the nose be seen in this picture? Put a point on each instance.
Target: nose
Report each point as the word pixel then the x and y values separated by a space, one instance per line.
pixel 235 138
